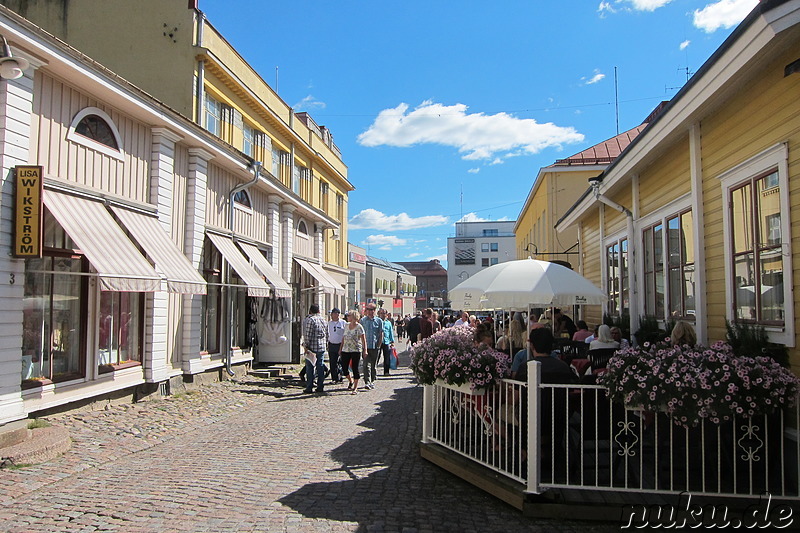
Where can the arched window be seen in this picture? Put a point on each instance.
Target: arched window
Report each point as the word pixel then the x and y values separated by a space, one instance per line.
pixel 242 199
pixel 301 227
pixel 93 128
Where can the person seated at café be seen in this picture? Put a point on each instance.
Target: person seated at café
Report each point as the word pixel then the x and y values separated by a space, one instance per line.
pixel 564 326
pixel 616 334
pixel 683 333
pixel 593 336
pixel 582 333
pixel 604 339
pixel 483 335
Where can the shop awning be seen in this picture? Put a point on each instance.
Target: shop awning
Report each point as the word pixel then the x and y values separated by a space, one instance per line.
pixel 175 268
pixel 281 288
pixel 119 264
pixel 240 264
pixel 326 283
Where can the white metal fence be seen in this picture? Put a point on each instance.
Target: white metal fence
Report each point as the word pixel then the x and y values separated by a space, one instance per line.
pixel 571 436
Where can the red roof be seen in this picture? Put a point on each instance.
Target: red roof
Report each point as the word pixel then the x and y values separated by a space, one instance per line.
pixel 605 152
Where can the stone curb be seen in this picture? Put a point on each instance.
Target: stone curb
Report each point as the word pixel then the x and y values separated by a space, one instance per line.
pixel 42 445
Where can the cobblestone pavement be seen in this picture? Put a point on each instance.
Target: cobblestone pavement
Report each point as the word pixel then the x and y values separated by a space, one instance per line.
pixel 255 455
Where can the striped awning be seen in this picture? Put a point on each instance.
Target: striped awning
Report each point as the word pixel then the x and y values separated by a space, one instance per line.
pixel 119 264
pixel 176 269
pixel 240 264
pixel 281 288
pixel 326 283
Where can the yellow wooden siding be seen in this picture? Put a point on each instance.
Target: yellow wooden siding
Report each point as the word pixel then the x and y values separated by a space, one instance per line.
pixel 55 104
pixel 666 180
pixel 591 263
pixel 615 221
pixel 761 114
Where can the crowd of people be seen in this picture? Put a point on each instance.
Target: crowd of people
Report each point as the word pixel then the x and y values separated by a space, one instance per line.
pixel 355 343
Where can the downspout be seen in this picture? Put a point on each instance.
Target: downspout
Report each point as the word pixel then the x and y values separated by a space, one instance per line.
pixel 255 167
pixel 633 310
pixel 200 82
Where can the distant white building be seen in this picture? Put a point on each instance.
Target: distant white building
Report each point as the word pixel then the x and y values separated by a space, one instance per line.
pixel 478 245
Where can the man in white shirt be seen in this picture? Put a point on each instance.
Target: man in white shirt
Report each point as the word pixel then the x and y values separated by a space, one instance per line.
pixel 336 327
pixel 463 320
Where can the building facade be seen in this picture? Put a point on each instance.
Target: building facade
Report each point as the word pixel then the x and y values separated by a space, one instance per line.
pixel 431 279
pixel 478 245
pixel 184 62
pixel 391 286
pixel 694 220
pixel 161 251
pixel 557 187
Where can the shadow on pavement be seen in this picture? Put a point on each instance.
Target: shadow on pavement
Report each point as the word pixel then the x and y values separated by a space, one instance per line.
pixel 391 487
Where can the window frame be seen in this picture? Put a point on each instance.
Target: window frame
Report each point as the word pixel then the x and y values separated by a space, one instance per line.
pixel 91 143
pixel 610 242
pixel 750 171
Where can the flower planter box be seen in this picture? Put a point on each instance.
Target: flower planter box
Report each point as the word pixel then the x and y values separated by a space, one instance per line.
pixel 465 388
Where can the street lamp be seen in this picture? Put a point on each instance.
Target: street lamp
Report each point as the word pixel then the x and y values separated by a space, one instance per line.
pixel 11 68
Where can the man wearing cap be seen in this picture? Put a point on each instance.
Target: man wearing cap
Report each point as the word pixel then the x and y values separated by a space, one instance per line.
pixel 335 333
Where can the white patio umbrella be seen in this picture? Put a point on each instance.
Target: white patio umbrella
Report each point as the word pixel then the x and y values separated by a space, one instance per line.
pixel 516 285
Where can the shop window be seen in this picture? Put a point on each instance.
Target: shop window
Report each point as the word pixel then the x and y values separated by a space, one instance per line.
pixel 93 128
pixel 211 314
pixel 119 329
pixel 54 310
pixel 243 330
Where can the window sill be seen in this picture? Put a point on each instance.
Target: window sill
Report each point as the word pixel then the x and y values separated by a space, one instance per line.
pixel 105 369
pixel 35 383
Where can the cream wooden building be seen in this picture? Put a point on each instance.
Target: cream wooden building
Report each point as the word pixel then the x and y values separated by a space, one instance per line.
pixel 695 219
pixel 162 240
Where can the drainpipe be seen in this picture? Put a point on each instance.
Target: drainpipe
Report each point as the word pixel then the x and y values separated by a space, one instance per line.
pixel 632 285
pixel 255 167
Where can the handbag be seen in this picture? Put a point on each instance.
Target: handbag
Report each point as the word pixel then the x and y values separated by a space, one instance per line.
pixel 393 359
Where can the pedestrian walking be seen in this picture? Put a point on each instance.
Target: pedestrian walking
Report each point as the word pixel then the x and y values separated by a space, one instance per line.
pixel 388 342
pixel 315 342
pixel 354 345
pixel 336 327
pixel 373 329
pixel 412 328
pixel 426 324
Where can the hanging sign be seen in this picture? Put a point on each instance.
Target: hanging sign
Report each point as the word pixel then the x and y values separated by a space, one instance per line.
pixel 27 211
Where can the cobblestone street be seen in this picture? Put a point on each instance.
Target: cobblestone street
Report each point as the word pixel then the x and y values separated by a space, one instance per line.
pixel 254 455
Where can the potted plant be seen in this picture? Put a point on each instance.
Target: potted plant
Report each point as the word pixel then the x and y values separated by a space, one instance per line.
pixel 451 358
pixel 692 384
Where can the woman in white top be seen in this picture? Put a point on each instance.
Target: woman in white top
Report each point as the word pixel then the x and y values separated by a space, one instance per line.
pixel 604 339
pixel 354 345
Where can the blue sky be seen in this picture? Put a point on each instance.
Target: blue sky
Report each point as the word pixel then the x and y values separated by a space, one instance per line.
pixel 444 110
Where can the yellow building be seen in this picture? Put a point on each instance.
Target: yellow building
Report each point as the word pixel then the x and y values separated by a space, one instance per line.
pixel 557 187
pixel 695 220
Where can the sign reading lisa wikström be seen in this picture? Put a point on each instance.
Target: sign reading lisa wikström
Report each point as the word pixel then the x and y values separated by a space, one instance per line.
pixel 27 211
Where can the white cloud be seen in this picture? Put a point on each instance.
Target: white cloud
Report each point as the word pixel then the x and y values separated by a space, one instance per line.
pixel 472 217
pixel 722 14
pixel 442 258
pixel 497 161
pixel 597 76
pixel 309 103
pixel 476 135
pixel 648 5
pixel 411 256
pixel 474 170
pixel 605 7
pixel 685 44
pixel 385 241
pixel 374 219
